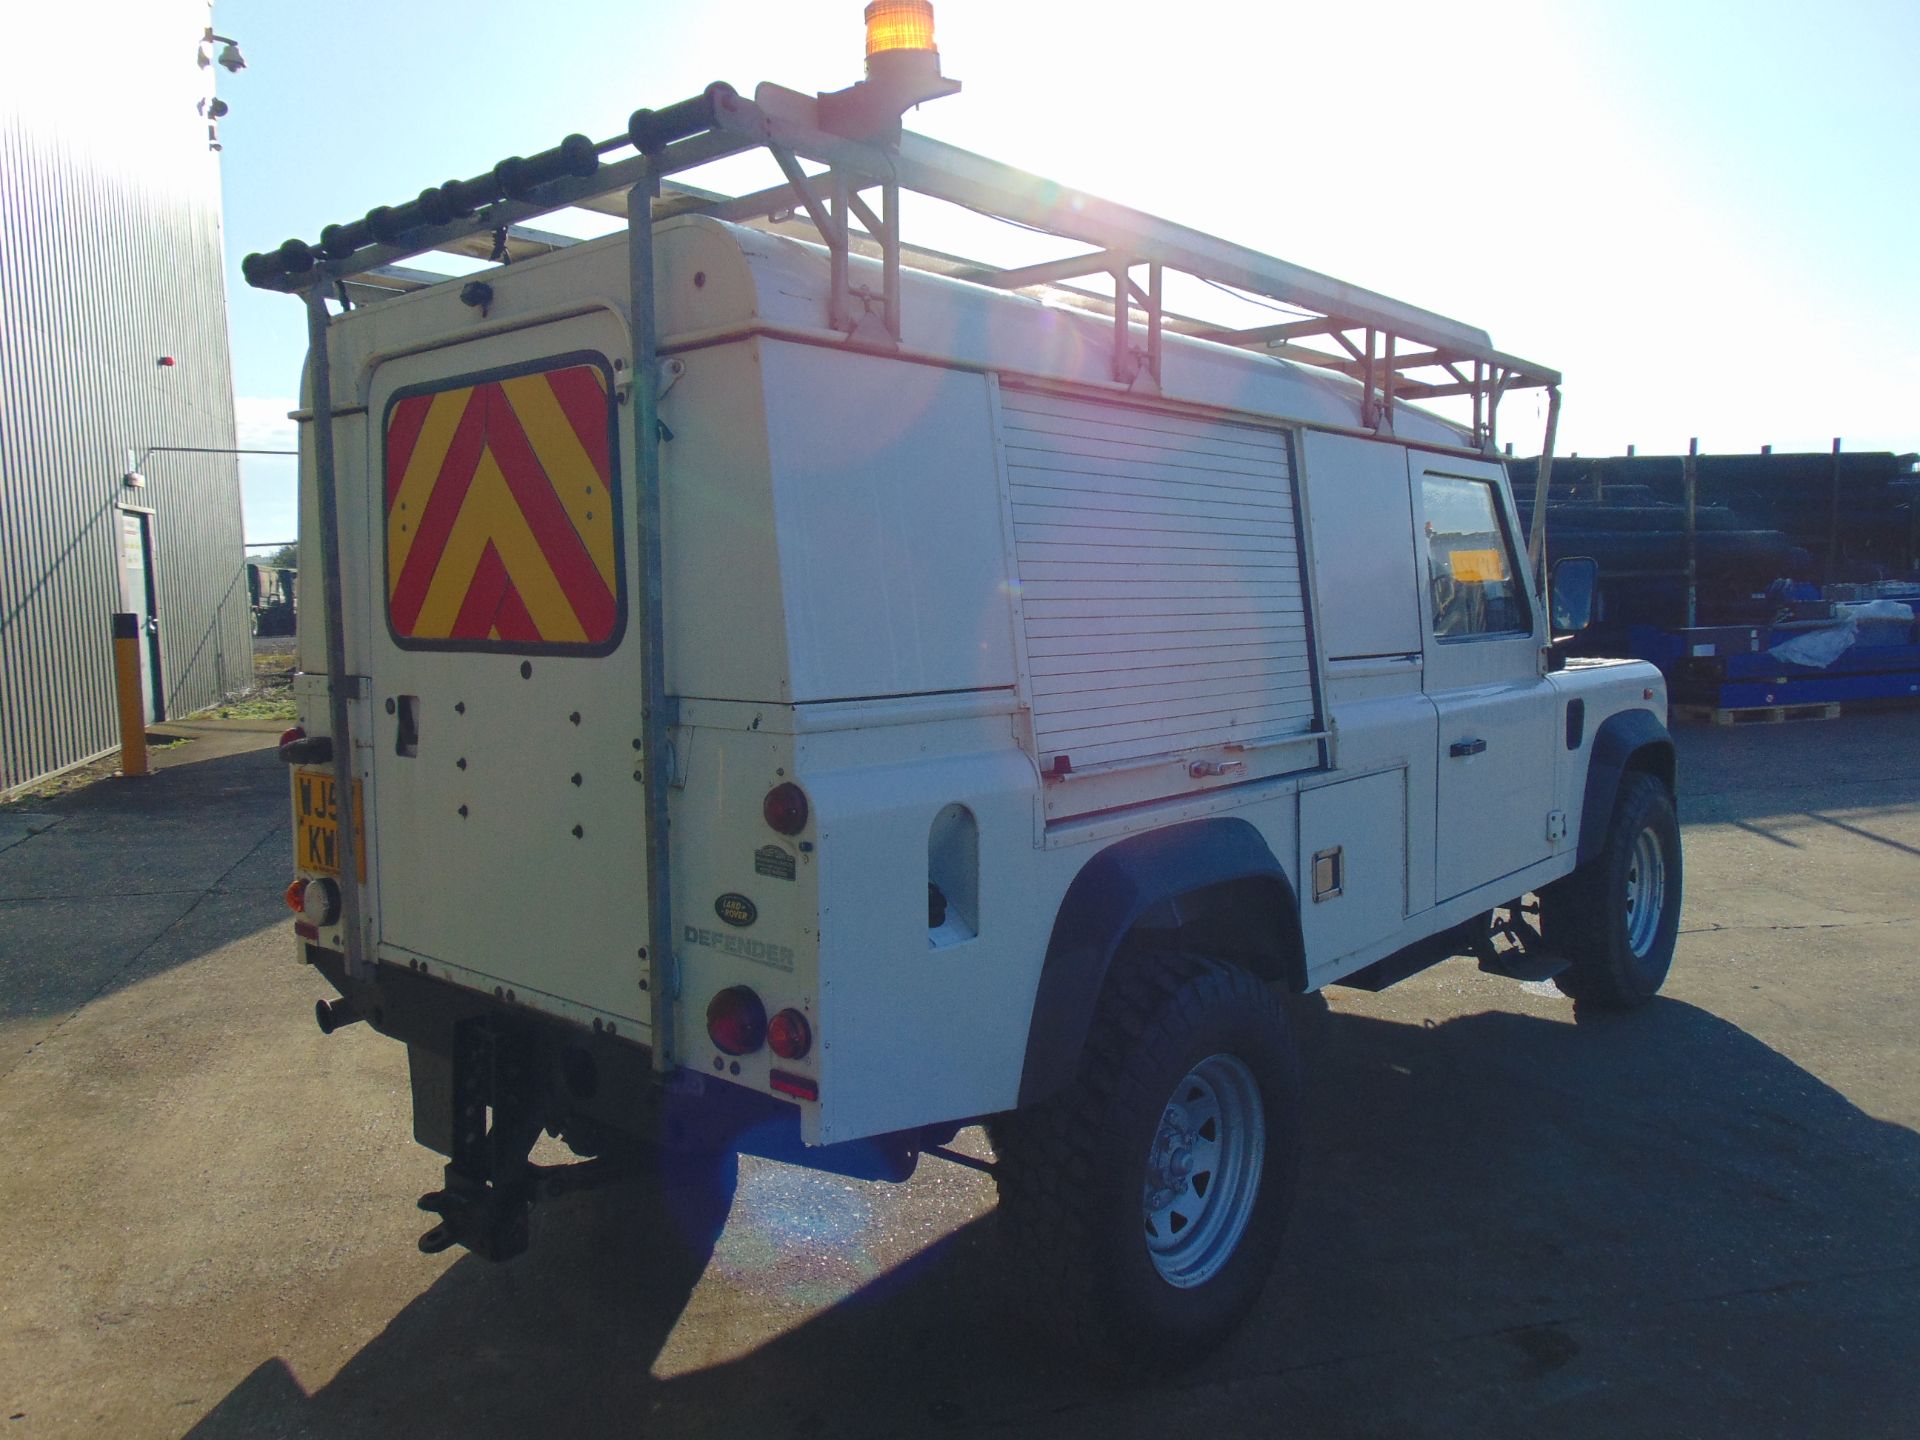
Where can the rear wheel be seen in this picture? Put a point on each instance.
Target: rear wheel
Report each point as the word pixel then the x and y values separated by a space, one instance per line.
pixel 1617 917
pixel 1146 1203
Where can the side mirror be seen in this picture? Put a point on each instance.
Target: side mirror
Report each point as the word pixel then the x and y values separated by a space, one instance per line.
pixel 1571 590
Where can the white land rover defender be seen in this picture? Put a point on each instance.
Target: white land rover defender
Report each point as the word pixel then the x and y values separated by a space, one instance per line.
pixel 773 686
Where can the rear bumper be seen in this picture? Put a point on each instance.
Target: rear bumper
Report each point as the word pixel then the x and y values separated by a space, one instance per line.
pixel 599 1092
pixel 581 1079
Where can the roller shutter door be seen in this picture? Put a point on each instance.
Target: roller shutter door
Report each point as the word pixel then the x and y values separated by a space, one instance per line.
pixel 1160 580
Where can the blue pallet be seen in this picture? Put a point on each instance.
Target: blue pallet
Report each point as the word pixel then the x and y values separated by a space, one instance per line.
pixel 1818 687
pixel 1728 667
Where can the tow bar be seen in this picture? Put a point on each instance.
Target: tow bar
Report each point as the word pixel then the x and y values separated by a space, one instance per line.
pixel 491 1183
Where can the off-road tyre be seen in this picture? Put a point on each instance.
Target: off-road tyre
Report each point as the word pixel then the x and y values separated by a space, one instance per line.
pixel 1593 916
pixel 1073 1172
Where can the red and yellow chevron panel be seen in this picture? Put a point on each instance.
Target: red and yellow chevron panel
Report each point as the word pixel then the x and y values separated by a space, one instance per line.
pixel 502 521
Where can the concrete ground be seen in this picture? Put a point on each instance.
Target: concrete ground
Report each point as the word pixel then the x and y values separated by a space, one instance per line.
pixel 1699 1220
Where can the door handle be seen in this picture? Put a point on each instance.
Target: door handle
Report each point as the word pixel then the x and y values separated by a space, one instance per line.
pixel 1460 749
pixel 1202 769
pixel 406 734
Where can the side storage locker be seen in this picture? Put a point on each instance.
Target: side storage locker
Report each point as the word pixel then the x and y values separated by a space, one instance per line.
pixel 1163 599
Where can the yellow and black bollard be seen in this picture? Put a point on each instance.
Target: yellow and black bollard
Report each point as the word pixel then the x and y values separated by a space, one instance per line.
pixel 126 683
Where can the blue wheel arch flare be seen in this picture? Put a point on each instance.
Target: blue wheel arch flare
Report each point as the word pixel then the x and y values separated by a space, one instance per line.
pixel 1631 740
pixel 1156 878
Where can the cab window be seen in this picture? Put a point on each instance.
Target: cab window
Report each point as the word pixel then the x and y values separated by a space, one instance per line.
pixel 1470 561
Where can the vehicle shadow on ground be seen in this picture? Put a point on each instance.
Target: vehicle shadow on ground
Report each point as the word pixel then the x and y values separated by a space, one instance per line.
pixel 1507 1223
pixel 140 876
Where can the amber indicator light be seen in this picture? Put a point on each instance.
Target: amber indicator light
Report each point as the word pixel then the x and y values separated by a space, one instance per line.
pixel 789 1036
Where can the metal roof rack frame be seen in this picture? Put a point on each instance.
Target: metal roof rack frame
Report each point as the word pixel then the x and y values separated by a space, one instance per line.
pixel 1395 351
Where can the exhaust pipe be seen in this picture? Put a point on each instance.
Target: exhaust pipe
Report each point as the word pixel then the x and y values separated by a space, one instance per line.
pixel 332 1015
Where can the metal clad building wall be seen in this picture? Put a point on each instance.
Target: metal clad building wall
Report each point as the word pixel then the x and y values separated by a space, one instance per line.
pixel 110 257
pixel 1160 578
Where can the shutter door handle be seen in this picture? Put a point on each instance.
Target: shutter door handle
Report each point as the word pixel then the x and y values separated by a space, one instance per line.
pixel 1460 749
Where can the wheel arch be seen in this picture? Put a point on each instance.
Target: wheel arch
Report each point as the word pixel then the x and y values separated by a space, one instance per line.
pixel 1633 740
pixel 1214 883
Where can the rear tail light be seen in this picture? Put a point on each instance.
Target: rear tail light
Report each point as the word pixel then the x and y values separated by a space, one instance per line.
pixel 789 1036
pixel 737 1021
pixel 293 733
pixel 785 808
pixel 296 893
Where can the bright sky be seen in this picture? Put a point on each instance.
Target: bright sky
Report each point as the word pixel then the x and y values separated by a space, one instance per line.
pixel 1704 213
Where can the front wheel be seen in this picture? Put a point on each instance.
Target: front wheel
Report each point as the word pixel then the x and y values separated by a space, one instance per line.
pixel 1617 918
pixel 1146 1203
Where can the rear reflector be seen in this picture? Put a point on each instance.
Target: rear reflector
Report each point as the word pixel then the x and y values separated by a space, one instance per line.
pixel 306 931
pixel 798 1086
pixel 785 808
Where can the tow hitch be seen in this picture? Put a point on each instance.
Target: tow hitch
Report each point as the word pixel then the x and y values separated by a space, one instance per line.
pixel 500 1106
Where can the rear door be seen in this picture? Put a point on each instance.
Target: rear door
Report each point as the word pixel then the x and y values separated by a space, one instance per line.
pixel 506 677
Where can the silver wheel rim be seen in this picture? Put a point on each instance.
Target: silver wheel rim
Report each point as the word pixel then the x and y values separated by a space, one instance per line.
pixel 1646 892
pixel 1203 1171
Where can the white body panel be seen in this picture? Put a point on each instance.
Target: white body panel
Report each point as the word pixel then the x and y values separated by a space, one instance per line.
pixel 1363 530
pixel 886 575
pixel 890 547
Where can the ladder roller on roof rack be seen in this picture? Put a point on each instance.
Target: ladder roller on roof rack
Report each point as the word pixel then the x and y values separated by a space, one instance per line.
pixel 443 207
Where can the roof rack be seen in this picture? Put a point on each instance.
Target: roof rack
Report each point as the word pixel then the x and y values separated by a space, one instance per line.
pixel 1394 350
